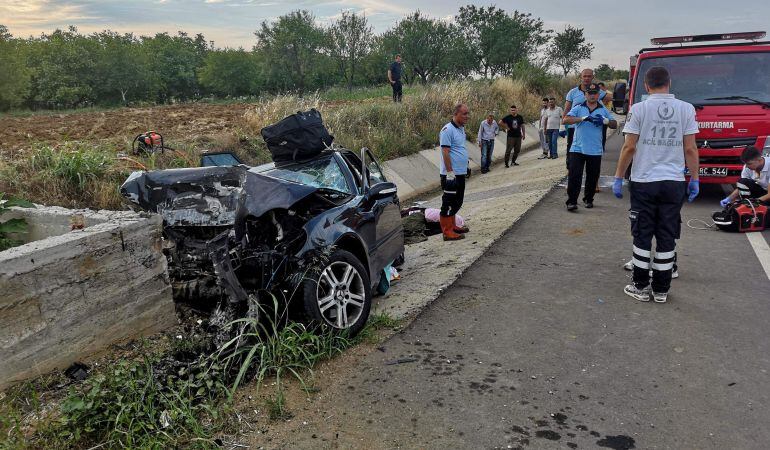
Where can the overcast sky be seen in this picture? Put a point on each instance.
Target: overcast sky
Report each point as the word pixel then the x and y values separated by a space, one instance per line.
pixel 613 27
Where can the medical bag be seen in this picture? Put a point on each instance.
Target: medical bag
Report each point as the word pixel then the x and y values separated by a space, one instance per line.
pixel 742 216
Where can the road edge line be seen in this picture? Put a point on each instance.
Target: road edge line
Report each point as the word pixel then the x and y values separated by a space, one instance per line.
pixel 761 249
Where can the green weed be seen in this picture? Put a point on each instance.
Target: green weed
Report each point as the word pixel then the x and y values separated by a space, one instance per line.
pixel 12 227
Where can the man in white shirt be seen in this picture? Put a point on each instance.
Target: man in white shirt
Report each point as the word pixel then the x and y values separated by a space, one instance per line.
pixel 488 129
pixel 660 138
pixel 541 129
pixel 551 123
pixel 755 177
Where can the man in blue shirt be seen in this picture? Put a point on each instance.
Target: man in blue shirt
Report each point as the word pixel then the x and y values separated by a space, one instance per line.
pixel 576 96
pixel 454 168
pixel 588 117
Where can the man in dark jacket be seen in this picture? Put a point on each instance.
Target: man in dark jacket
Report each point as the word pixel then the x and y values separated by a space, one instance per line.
pixel 394 76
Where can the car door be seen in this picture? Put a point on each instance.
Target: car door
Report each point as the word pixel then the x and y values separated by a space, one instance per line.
pixel 389 231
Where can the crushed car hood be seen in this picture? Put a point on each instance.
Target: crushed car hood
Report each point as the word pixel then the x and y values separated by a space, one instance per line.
pixel 210 196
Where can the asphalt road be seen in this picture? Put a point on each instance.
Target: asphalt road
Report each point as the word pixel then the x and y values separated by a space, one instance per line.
pixel 536 346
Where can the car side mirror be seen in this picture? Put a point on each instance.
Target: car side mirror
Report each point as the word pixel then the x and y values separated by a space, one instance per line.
pixel 382 190
pixel 213 159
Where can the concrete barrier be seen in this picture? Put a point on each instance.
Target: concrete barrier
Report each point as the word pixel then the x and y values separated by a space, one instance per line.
pixel 70 294
pixel 419 173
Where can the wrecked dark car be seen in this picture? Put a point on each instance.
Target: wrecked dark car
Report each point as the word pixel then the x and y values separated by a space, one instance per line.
pixel 316 235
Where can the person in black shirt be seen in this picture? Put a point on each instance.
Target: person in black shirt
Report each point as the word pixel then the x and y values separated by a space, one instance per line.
pixel 514 123
pixel 394 76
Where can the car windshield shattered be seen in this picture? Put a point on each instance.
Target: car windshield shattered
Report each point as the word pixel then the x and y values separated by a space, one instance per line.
pixel 323 173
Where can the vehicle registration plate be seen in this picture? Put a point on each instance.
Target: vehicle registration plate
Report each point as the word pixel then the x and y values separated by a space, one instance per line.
pixel 713 171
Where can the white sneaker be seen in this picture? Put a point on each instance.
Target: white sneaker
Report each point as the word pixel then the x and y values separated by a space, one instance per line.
pixel 675 274
pixel 660 297
pixel 643 295
pixel 629 265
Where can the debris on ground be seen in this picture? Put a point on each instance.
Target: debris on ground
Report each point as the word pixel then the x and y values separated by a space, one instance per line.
pixel 77 371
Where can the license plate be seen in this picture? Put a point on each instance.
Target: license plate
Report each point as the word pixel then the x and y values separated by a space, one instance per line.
pixel 713 171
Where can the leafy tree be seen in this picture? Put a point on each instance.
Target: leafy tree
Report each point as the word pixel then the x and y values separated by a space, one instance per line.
pixel 291 45
pixel 350 39
pixel 14 73
pixel 174 59
pixel 430 48
pixel 568 48
pixel 620 74
pixel 498 40
pixel 62 68
pixel 124 68
pixel 604 72
pixel 231 72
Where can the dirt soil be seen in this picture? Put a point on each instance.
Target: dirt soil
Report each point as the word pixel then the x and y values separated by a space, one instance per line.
pixel 175 122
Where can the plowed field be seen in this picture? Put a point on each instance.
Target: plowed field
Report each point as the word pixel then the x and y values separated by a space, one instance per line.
pixel 175 122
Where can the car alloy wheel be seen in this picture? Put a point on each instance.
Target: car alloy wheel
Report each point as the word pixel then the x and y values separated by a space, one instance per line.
pixel 339 295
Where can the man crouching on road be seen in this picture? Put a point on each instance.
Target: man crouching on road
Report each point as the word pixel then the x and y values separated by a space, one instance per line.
pixel 454 167
pixel 755 178
pixel 660 138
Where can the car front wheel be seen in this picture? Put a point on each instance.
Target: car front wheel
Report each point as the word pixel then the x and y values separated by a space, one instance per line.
pixel 339 295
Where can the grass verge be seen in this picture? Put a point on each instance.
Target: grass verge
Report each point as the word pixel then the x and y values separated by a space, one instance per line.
pixel 172 399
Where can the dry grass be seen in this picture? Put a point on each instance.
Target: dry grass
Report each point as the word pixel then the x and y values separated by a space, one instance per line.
pixel 392 130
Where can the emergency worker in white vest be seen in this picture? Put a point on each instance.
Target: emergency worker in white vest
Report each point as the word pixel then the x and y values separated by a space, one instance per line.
pixel 660 139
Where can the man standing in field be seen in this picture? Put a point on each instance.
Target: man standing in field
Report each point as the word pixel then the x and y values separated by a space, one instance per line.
pixel 454 168
pixel 514 123
pixel 586 151
pixel 660 139
pixel 394 76
pixel 486 140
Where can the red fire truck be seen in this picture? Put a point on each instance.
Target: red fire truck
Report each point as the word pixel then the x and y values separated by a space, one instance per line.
pixel 729 85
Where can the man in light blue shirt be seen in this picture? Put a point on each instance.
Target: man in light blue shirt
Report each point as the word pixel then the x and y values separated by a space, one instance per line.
pixel 488 129
pixel 576 96
pixel 454 168
pixel 586 151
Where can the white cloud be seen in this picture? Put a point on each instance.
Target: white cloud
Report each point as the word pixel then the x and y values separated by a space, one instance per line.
pixel 24 16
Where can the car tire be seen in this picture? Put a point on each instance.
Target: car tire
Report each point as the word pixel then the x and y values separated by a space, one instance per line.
pixel 339 295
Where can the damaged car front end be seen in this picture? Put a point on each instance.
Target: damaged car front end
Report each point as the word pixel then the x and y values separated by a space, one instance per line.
pixel 314 235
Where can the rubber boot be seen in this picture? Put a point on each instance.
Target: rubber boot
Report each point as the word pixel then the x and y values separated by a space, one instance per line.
pixel 460 230
pixel 447 229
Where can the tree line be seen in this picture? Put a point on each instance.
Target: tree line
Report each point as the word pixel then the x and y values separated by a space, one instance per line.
pixel 67 69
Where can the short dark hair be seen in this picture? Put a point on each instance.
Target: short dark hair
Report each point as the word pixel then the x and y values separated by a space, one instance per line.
pixel 398 55
pixel 552 98
pixel 750 153
pixel 657 77
pixel 601 83
pixel 545 99
pixel 513 106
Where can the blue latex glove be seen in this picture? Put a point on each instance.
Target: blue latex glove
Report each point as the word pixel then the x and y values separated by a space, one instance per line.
pixel 597 120
pixel 725 201
pixel 617 187
pixel 692 190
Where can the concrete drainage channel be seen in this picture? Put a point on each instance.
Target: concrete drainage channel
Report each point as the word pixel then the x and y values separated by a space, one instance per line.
pixel 86 279
pixel 67 294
